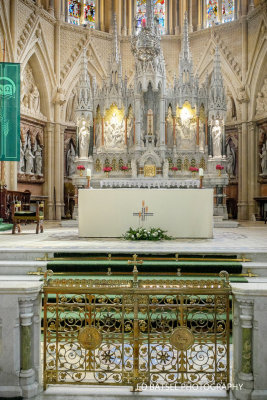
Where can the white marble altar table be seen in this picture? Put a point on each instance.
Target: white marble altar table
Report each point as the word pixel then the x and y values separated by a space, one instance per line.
pixel 183 213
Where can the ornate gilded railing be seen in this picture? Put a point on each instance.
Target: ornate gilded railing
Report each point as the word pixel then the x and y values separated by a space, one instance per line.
pixel 136 332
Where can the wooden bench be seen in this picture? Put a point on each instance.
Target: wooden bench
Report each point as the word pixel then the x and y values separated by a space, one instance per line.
pixel 22 213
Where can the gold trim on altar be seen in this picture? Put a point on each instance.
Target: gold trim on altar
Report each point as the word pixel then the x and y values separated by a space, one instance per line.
pixel 150 170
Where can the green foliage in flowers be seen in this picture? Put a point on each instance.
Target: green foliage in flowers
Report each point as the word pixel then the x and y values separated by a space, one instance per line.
pixel 146 234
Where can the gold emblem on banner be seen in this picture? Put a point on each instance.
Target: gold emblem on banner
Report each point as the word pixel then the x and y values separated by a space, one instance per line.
pixel 150 170
pixel 89 338
pixel 182 338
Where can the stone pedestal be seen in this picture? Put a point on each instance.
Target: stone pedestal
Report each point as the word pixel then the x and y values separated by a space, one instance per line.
pixel 249 332
pixel 20 331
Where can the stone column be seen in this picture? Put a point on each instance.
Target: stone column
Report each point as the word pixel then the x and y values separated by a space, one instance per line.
pixel 190 11
pixel 243 340
pixel 124 10
pixel 170 17
pixel 130 17
pixel 235 8
pixel 102 17
pixel 13 26
pixel 27 374
pixel 252 168
pixel 62 169
pixel 177 16
pixel 49 169
pixel 199 15
pixel 220 11
pixel 204 10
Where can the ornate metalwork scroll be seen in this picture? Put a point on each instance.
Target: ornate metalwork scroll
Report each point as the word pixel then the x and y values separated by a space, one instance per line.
pixel 135 332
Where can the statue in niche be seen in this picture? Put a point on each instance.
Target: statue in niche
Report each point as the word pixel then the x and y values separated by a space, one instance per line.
pixel 84 139
pixel 169 128
pixel 35 99
pixel 166 169
pixel 230 168
pixel 130 131
pixel 134 168
pixel 98 135
pixel 29 157
pixel 71 168
pixel 216 134
pixel 21 164
pixel 201 137
pixel 263 156
pixel 38 160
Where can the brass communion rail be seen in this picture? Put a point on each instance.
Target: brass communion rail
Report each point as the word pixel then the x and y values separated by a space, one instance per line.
pixel 136 332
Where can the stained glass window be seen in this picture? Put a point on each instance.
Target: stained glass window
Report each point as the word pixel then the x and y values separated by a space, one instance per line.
pixel 212 12
pixel 159 13
pixel 82 12
pixel 228 10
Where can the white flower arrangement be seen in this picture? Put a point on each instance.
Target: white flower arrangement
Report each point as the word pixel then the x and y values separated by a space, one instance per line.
pixel 143 234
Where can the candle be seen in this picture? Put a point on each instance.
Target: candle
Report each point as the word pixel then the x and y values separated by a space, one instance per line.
pixel 201 172
pixel 88 174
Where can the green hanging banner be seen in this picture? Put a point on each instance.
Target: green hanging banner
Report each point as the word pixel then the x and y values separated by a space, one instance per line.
pixel 9 111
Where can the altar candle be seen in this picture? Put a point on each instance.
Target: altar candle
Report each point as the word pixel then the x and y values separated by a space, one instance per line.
pixel 201 172
pixel 88 174
pixel 143 203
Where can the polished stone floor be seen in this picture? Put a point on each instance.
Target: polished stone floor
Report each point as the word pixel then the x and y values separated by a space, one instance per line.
pixel 248 236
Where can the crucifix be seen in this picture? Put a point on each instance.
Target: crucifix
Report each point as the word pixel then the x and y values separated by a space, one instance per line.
pixel 143 214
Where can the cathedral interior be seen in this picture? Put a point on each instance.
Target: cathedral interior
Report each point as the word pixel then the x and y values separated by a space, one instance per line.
pixel 159 111
pixel 116 115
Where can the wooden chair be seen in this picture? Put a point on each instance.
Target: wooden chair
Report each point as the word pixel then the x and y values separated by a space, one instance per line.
pixel 23 213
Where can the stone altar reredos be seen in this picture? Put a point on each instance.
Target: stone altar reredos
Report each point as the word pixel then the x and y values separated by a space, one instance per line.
pixel 151 128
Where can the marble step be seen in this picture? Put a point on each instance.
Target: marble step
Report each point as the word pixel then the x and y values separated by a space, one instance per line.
pixel 219 222
pixel 69 223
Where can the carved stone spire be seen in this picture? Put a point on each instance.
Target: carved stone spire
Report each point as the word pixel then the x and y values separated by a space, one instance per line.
pixel 116 53
pixel 115 59
pixel 217 100
pixel 185 62
pixel 84 92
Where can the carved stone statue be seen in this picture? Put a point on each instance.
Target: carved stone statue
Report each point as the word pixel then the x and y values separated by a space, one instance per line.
pixel 134 168
pixel 29 157
pixel 38 160
pixel 98 135
pixel 230 168
pixel 84 139
pixel 166 169
pixel 21 164
pixel 35 99
pixel 114 133
pixel 201 137
pixel 216 133
pixel 263 156
pixel 71 168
